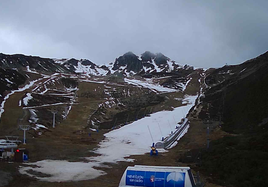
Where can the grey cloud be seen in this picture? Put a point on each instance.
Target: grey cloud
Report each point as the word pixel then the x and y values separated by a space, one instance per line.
pixel 200 33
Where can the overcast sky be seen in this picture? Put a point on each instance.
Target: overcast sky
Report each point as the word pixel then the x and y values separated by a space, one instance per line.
pixel 202 33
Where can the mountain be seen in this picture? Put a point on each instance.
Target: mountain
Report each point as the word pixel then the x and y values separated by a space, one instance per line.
pixel 147 63
pixel 56 81
pixel 22 62
pixel 236 99
pixel 238 91
pixel 83 66
pixel 10 79
pixel 81 95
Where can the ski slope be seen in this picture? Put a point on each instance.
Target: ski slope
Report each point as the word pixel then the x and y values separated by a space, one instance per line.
pixel 119 144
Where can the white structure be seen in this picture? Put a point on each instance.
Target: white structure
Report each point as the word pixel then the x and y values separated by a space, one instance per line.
pixel 54 112
pixel 157 176
pixel 7 149
pixel 7 145
pixel 24 128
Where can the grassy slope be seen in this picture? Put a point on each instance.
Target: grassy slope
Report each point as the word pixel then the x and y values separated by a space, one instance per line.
pixel 241 159
pixel 66 142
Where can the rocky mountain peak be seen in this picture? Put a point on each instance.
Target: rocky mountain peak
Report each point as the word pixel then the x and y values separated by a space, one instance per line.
pixel 147 56
pixel 146 63
pixel 128 62
pixel 161 59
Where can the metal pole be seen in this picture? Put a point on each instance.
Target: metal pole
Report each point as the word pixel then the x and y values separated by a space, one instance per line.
pixel 54 119
pixel 66 110
pixel 24 136
pixel 127 118
pixel 208 136
pixel 150 133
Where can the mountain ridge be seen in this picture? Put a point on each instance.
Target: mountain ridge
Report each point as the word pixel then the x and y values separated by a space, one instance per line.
pixel 128 64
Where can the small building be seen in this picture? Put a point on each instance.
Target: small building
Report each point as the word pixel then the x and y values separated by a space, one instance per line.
pixel 157 176
pixel 7 149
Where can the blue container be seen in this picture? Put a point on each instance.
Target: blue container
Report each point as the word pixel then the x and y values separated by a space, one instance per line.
pixel 157 176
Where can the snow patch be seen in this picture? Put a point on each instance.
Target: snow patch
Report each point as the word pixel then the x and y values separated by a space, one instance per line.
pixel 63 171
pixel 147 84
pixel 27 99
pixel 27 86
pixel 132 139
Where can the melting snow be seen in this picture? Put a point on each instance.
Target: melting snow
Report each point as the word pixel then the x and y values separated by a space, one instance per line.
pixel 9 81
pixel 132 139
pixel 149 85
pixel 27 86
pixel 62 170
pixel 185 86
pixel 27 99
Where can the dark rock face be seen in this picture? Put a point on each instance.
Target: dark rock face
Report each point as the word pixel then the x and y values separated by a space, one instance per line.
pixel 237 96
pixel 239 91
pixel 130 60
pixel 161 60
pixel 69 83
pixel 72 61
pixel 148 65
pixel 10 80
pixel 88 63
pixel 147 56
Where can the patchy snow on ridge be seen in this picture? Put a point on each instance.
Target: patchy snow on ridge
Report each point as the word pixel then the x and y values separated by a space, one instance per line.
pixel 27 86
pixel 88 70
pixel 31 71
pixel 147 84
pixel 132 139
pixel 27 99
pixel 186 84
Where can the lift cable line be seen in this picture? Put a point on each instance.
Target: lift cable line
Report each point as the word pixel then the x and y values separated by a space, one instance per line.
pixel 150 133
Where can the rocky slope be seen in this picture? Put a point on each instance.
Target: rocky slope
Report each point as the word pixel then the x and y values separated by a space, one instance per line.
pixel 147 64
pixel 22 62
pixel 236 100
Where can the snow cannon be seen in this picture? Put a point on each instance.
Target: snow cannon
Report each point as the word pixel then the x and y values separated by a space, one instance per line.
pixel 153 151
pixel 157 176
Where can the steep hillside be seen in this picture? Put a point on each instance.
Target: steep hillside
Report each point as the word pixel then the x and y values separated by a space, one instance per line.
pixel 10 80
pixel 236 97
pixel 22 62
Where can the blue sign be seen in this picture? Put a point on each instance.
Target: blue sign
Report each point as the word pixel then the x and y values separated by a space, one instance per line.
pixel 154 178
